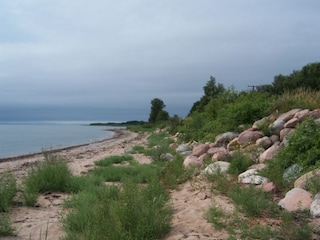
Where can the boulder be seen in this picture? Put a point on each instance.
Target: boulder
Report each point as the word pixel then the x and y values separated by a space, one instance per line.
pixel 183 148
pixel 166 157
pixel 302 115
pixel 200 149
pixel 296 199
pixel 292 123
pixel 274 138
pixel 214 150
pixel 276 127
pixel 218 156
pixel 233 145
pixel 192 161
pixel 264 142
pixel 251 176
pixel 224 138
pixel 302 181
pixel 217 167
pixel 284 132
pixel 248 137
pixel 259 123
pixel 288 115
pixel 270 153
pixel 292 173
pixel 315 206
pixel 315 114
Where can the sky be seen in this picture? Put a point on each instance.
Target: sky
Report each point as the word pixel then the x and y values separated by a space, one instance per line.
pixel 106 60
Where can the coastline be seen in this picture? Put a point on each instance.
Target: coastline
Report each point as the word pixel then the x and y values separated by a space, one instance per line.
pixel 117 133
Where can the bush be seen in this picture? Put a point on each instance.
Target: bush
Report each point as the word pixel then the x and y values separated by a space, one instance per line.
pixel 114 160
pixel 51 175
pixel 131 213
pixel 8 190
pixel 239 163
pixel 253 202
pixel 6 228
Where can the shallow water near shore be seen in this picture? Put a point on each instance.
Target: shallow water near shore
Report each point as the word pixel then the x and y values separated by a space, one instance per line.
pixel 21 138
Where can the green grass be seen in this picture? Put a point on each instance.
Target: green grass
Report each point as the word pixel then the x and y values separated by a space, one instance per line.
pixel 51 175
pixel 129 212
pixel 6 228
pixel 114 160
pixel 8 189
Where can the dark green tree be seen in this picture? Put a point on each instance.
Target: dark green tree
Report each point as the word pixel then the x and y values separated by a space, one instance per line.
pixel 157 113
pixel 211 90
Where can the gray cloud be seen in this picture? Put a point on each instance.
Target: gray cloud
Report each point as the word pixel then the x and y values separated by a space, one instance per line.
pixel 121 54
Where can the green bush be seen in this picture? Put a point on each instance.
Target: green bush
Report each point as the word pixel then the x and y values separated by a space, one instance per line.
pixel 51 175
pixel 114 160
pixel 253 202
pixel 239 163
pixel 132 212
pixel 8 190
pixel 6 228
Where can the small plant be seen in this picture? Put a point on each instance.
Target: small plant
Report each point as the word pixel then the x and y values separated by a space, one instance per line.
pixel 8 190
pixel 253 202
pixel 239 163
pixel 114 160
pixel 51 175
pixel 137 149
pixel 6 228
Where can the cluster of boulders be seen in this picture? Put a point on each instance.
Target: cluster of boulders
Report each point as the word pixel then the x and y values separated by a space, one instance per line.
pixel 259 148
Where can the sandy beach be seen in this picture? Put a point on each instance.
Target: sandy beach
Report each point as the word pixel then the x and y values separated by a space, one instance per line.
pixel 190 200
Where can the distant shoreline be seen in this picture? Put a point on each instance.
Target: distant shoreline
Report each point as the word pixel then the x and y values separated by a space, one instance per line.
pixel 116 133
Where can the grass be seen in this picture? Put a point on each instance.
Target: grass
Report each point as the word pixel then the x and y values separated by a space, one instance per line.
pixel 114 160
pixel 6 228
pixel 8 189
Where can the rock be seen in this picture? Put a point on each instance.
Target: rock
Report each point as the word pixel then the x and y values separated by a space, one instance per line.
pixel 292 173
pixel 315 206
pixel 284 133
pixel 302 181
pixel 251 176
pixel 264 142
pixel 292 123
pixel 268 187
pixel 200 149
pixel 288 115
pixel 218 156
pixel 166 157
pixel 315 114
pixel 274 138
pixel 259 123
pixel 249 137
pixel 224 138
pixel 296 199
pixel 258 166
pixel 233 145
pixel 302 115
pixel 269 154
pixel 214 150
pixel 217 167
pixel 192 161
pixel 183 148
pixel 276 127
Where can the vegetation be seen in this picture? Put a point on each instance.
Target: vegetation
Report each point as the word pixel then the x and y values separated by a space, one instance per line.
pixel 157 113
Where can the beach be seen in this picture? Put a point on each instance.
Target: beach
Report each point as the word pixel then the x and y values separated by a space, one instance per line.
pixel 31 222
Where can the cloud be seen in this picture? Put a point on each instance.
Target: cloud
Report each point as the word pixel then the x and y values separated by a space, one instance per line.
pixel 124 53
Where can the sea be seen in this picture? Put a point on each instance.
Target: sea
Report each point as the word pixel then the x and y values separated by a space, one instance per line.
pixel 28 137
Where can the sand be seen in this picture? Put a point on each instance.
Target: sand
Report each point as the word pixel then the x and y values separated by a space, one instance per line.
pixel 190 201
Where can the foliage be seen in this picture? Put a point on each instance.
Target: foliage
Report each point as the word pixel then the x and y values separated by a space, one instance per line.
pixel 8 189
pixel 211 90
pixel 6 228
pixel 303 149
pixel 157 113
pixel 114 160
pixel 239 163
pixel 51 175
pixel 132 212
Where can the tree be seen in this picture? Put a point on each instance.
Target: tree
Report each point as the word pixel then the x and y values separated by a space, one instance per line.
pixel 211 90
pixel 157 113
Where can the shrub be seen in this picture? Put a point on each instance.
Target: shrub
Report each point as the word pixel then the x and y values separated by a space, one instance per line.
pixel 8 190
pixel 6 228
pixel 239 163
pixel 114 160
pixel 51 175
pixel 132 212
pixel 253 202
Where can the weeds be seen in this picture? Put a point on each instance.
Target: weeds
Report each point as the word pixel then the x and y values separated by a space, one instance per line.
pixel 114 160
pixel 8 190
pixel 6 228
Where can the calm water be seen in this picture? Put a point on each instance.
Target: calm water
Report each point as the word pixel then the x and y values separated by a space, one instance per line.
pixel 18 138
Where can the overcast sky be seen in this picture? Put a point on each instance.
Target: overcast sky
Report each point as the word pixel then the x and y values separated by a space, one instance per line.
pixel 107 59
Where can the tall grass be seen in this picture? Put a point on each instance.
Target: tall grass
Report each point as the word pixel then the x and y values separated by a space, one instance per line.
pixel 8 189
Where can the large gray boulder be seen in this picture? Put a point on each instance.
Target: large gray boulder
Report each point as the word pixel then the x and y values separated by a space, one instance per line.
pixel 251 176
pixel 296 199
pixel 276 127
pixel 217 167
